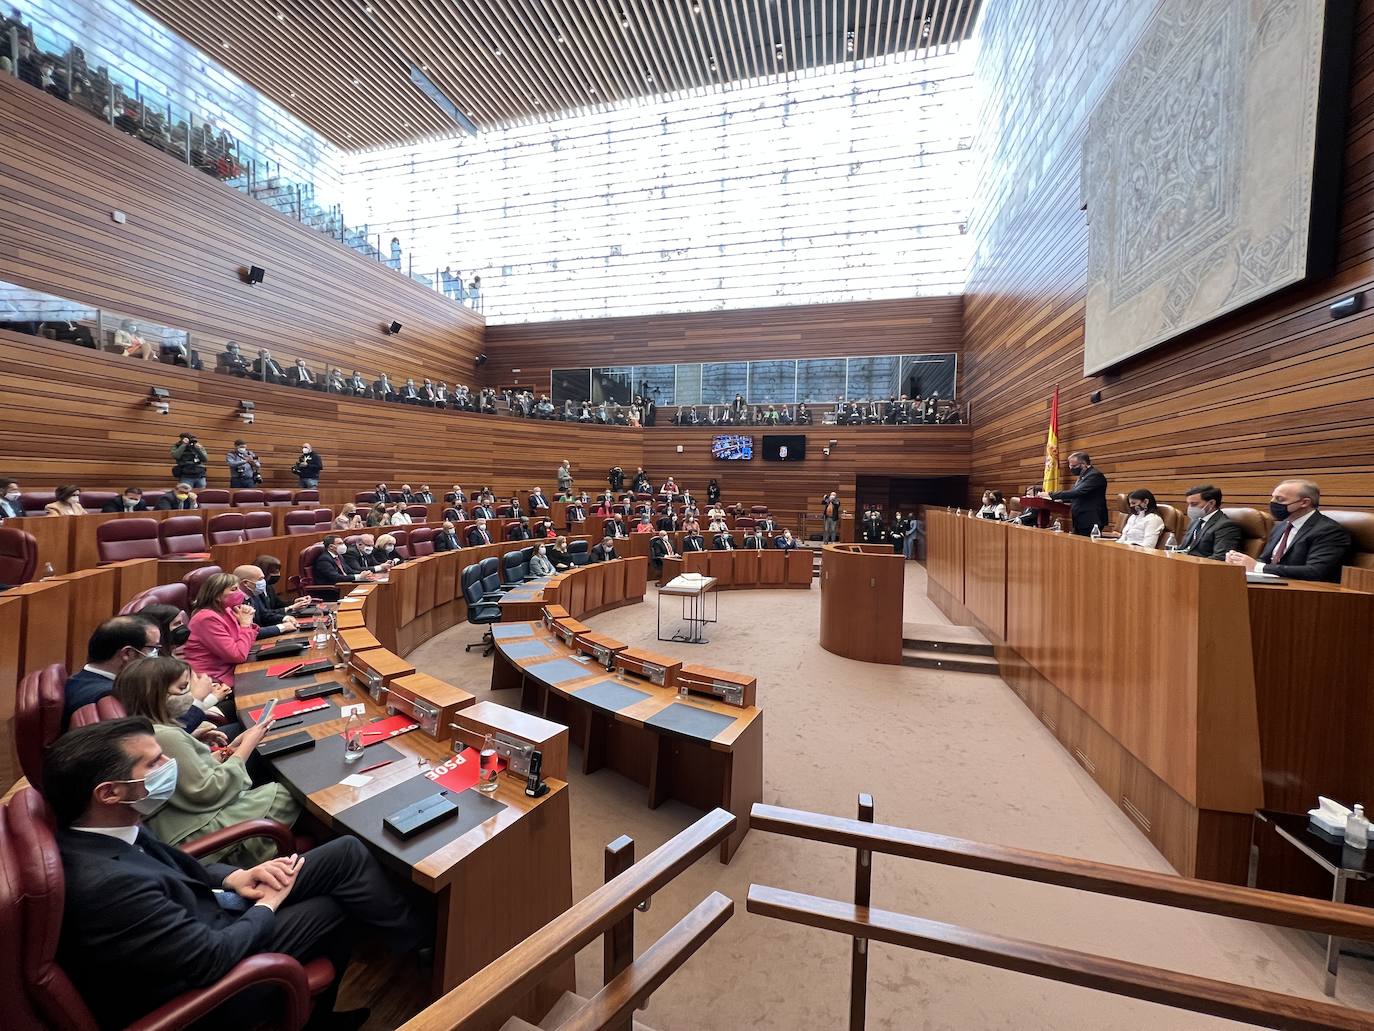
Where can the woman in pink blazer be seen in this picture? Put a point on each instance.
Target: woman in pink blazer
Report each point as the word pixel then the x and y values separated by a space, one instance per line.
pixel 222 630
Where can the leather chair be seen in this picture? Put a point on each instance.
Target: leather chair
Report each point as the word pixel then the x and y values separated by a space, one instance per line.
pixel 38 706
pixel 213 497
pixel 304 580
pixel 40 995
pixel 95 500
pixel 402 538
pixel 120 539
pixel 417 512
pixel 1175 522
pixel 225 528
pixel 491 578
pixel 306 497
pixel 107 708
pixel 182 535
pixel 166 594
pixel 249 497
pixel 1254 527
pixel 758 510
pixel 365 497
pixel 152 497
pixel 279 497
pixel 514 567
pixel 744 523
pixel 33 502
pixel 507 527
pixel 193 581
pixel 324 520
pixel 481 612
pixel 257 525
pixel 1360 526
pixel 18 556
pixel 421 542
pixel 579 552
pixel 300 521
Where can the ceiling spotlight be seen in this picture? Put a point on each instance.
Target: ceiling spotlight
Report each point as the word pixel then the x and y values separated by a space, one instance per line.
pixel 624 20
pixel 560 38
pixel 226 44
pixel 591 90
pixel 281 16
pixel 778 52
pixel 497 51
pixel 357 81
pixel 713 64
pixel 696 7
pixel 925 28
pixel 367 9
pixel 293 94
pixel 649 77
pixel 424 67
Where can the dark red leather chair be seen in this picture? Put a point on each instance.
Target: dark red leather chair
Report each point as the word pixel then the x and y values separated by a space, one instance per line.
pixel 368 497
pixel 152 497
pixel 212 497
pixel 226 528
pixel 300 521
pixel 165 594
pixel 182 535
pixel 119 539
pixel 307 497
pixel 417 512
pixel 194 579
pixel 18 556
pixel 421 542
pixel 324 520
pixel 95 500
pixel 107 708
pixel 249 497
pixel 38 992
pixel 277 497
pixel 38 708
pixel 402 536
pixel 305 575
pixel 33 502
pixel 257 525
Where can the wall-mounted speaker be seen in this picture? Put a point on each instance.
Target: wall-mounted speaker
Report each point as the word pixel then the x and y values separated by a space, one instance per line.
pixel 255 275
pixel 479 361
pixel 394 328
pixel 1095 396
pixel 1347 306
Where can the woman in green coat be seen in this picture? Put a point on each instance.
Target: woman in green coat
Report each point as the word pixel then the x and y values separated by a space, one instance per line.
pixel 214 789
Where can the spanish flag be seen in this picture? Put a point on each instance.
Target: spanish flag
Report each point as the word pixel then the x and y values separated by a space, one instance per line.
pixel 1050 482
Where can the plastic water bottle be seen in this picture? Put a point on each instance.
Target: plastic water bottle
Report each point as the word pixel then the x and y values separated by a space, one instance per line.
pixel 1171 543
pixel 1096 534
pixel 353 738
pixel 1058 526
pixel 1357 828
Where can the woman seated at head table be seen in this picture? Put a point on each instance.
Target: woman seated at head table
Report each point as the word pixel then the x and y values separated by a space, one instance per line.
pixel 211 787
pixel 1144 525
pixel 222 629
pixel 68 501
pixel 994 505
pixel 558 556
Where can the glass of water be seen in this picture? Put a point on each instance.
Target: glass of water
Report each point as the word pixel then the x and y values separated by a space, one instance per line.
pixel 488 766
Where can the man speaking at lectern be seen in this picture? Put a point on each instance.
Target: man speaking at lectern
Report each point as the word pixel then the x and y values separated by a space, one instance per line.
pixel 1087 498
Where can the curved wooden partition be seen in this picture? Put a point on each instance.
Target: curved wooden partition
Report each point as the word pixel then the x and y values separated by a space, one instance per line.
pixel 861 602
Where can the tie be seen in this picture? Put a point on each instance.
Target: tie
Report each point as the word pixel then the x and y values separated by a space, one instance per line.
pixel 1281 548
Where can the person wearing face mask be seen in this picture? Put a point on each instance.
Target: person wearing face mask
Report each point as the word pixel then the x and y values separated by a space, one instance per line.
pixel 330 568
pixel 423 496
pixel 1144 526
pixel 1210 533
pixel 222 628
pixel 386 554
pixel 213 787
pixel 180 497
pixel 270 622
pixel 447 538
pixel 518 531
pixel 993 507
pixel 477 534
pixel 785 541
pixel 539 562
pixel 68 502
pixel 557 554
pixel 1087 498
pixel 189 459
pixel 130 501
pixel 9 500
pixel 144 922
pixel 307 467
pixel 271 570
pixel 1304 544
pixel 114 644
pixel 348 518
pixel 244 467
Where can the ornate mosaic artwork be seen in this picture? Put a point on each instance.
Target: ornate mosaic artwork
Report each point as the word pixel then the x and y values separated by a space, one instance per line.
pixel 1198 170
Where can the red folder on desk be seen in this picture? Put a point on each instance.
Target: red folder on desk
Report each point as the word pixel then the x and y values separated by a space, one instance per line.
pixel 290 708
pixel 393 726
pixel 460 771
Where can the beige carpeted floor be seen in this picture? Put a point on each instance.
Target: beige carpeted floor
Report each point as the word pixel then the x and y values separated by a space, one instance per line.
pixel 946 752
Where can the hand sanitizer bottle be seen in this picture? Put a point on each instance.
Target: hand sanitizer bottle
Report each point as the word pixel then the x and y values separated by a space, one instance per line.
pixel 1097 533
pixel 1357 828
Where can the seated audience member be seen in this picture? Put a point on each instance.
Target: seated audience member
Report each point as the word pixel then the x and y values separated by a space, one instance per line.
pixel 382 389
pixel 265 368
pixel 520 531
pixel 447 538
pixel 68 502
pixel 377 516
pixel 131 344
pixel 456 496
pixel 577 511
pixel 668 521
pixel 357 386
pixel 144 922
pixel 543 530
pixel 410 394
pixel 329 566
pixel 615 526
pixel 643 525
pixel 9 500
pixel 692 540
pixel 1144 526
pixel 386 553
pixel 179 497
pixel 130 501
pixel 423 496
pixel 539 562
pixel 661 547
pixel 1211 534
pixel 348 518
pixel 213 788
pixel 399 517
pixel 359 557
pixel 765 522
pixel 270 622
pixel 512 508
pixel 222 628
pixel 407 495
pixel 722 541
pixel 477 533
pixel 171 626
pixel 381 494
pixel 455 514
pixel 335 383
pixel 537 501
pixel 300 375
pixel 605 551
pixel 483 510
pixel 1304 544
pixel 786 541
pixel 994 505
pixel 271 569
pixel 558 554
pixel 231 360
pixel 114 644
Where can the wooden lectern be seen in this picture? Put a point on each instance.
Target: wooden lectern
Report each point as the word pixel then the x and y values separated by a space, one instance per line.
pixel 1046 511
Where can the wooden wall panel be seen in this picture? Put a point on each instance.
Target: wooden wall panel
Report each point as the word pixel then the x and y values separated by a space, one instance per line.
pixel 914 326
pixel 178 258
pixel 1274 391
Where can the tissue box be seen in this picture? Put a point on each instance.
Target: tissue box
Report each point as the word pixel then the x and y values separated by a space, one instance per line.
pixel 1329 816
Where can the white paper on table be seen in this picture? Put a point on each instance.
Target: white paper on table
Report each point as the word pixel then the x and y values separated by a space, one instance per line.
pixel 357 780
pixel 346 711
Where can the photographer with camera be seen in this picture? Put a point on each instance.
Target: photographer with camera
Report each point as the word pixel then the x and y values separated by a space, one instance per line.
pixel 189 459
pixel 244 468
pixel 308 467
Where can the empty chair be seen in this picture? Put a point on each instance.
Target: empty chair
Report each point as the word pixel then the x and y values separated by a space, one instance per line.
pixel 152 497
pixel 324 519
pixel 1254 529
pixel 121 539
pixel 106 708
pixel 249 497
pixel 744 523
pixel 514 567
pixel 194 579
pixel 182 535
pixel 176 594
pixel 213 497
pixel 38 706
pixel 300 521
pixel 421 542
pixel 491 577
pixel 18 556
pixel 1360 526
pixel 280 497
pixel 306 497
pixel 481 612
pixel 33 502
pixel 579 553
pixel 257 524
pixel 95 500
pixel 417 512
pixel 365 497
pixel 758 510
pixel 226 528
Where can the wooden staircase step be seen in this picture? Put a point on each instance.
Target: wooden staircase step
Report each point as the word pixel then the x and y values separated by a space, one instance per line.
pixel 935 637
pixel 959 662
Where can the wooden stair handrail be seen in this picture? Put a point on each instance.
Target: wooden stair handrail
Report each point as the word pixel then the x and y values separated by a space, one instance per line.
pixel 493 991
pixel 617 1001
pixel 1137 981
pixel 1230 900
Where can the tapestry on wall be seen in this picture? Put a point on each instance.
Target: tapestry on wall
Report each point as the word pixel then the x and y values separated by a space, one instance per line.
pixel 1211 167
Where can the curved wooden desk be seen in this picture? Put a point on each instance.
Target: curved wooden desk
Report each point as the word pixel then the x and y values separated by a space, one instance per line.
pixel 861 602
pixel 582 590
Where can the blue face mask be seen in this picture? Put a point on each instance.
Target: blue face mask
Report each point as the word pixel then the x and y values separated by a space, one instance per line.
pixel 260 586
pixel 160 785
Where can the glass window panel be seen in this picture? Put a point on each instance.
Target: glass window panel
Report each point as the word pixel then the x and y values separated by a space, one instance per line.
pixel 23 310
pixel 871 378
pixel 612 384
pixel 924 374
pixel 136 337
pixel 657 382
pixel 688 384
pixel 772 383
pixel 573 385
pixel 721 381
pixel 820 380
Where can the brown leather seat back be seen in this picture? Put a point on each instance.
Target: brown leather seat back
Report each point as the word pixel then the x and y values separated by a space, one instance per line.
pixel 1254 528
pixel 1175 522
pixel 1360 526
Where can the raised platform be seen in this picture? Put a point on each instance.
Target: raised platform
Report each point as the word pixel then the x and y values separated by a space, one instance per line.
pixel 959 648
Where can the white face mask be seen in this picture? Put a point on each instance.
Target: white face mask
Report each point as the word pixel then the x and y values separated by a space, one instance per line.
pixel 541 551
pixel 339 549
pixel 1195 512
pixel 160 784
pixel 178 705
pixel 367 550
pixel 11 495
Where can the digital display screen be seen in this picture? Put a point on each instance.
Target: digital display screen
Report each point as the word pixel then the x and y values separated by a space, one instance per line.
pixel 784 448
pixel 732 447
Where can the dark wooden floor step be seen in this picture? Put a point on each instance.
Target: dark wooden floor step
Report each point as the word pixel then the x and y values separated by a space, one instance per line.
pixel 958 662
pixel 936 637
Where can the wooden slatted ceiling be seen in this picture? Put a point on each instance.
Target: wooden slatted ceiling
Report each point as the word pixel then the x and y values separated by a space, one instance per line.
pixel 343 66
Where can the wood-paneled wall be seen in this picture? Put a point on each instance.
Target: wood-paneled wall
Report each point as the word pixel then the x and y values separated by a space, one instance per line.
pixel 178 258
pixel 1275 391
pixel 914 326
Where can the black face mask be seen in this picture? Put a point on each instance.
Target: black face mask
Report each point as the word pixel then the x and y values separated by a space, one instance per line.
pixel 1077 470
pixel 180 635
pixel 274 578
pixel 1278 510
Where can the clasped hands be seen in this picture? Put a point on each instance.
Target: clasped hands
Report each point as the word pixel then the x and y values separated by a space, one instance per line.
pixel 267 883
pixel 1239 558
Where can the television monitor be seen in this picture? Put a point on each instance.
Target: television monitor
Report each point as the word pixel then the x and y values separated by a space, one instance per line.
pixel 732 447
pixel 789 447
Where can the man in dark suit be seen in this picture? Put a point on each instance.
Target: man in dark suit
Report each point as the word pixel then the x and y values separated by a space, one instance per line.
pixel 615 527
pixel 577 512
pixel 483 511
pixel 767 524
pixel 537 502
pixel 130 501
pixel 1210 533
pixel 1087 497
pixel 9 500
pixel 357 386
pixel 269 621
pixel 423 496
pixel 1305 544
pixel 661 547
pixel 668 521
pixel 693 541
pixel 301 376
pixel 478 535
pixel 134 905
pixel 382 390
pixel 114 644
pixel 722 541
pixel 329 566
pixel 447 538
pixel 231 361
pixel 518 531
pixel 180 497
pixel 605 551
pixel 265 368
